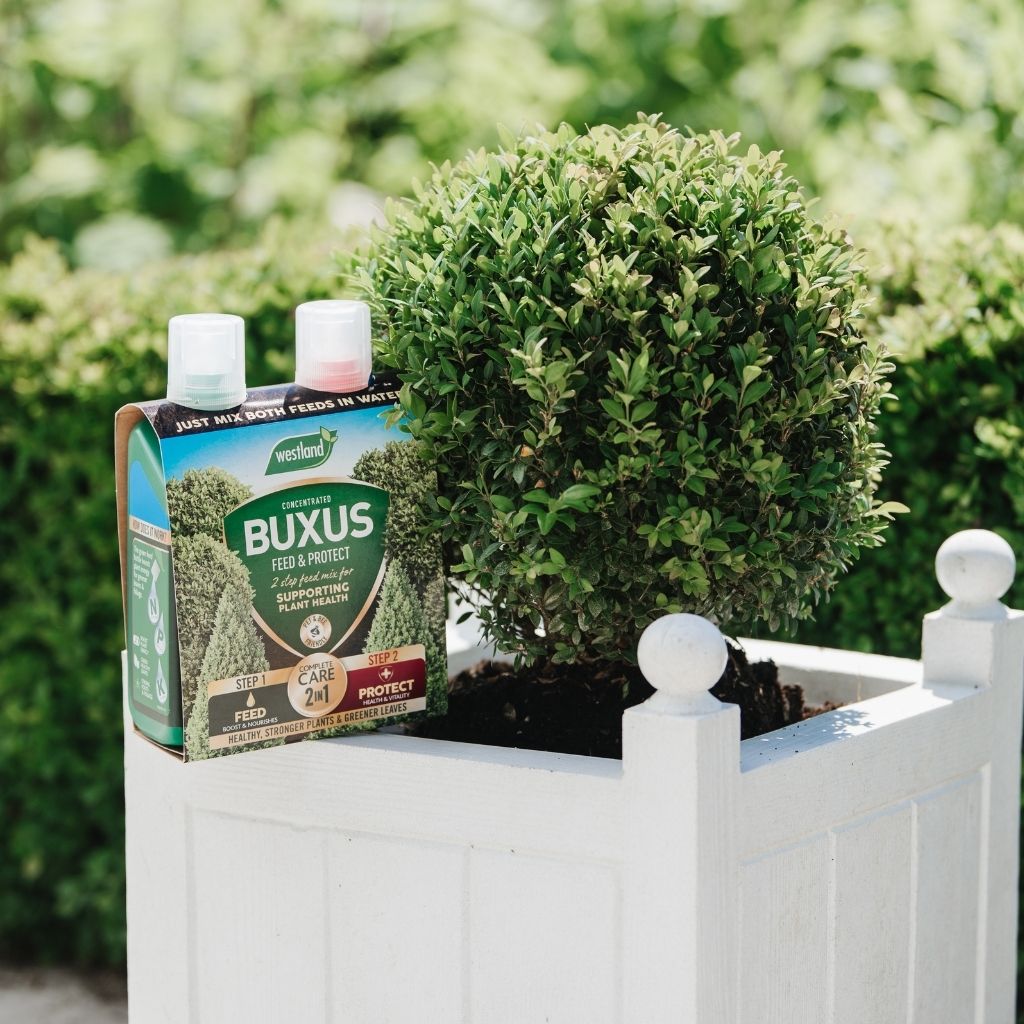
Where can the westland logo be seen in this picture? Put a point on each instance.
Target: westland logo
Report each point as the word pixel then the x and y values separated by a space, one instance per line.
pixel 304 452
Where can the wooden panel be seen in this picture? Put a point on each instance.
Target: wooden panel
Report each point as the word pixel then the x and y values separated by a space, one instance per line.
pixel 447 792
pixel 948 848
pixel 396 910
pixel 681 872
pixel 784 915
pixel 804 780
pixel 544 941
pixel 829 674
pixel 991 652
pixel 156 859
pixel 258 922
pixel 870 948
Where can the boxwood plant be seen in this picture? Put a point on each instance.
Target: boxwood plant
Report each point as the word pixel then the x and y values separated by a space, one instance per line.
pixel 635 360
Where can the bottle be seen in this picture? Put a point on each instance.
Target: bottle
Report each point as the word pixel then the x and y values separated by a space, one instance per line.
pixel 205 371
pixel 332 346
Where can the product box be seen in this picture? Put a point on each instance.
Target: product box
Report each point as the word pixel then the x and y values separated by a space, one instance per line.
pixel 276 586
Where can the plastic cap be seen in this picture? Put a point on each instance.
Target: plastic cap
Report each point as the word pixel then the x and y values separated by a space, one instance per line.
pixel 206 360
pixel 332 345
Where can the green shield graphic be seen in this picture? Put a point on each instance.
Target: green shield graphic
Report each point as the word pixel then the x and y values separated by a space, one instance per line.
pixel 315 555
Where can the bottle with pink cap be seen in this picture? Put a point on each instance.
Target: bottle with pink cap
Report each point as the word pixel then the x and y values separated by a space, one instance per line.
pixel 332 345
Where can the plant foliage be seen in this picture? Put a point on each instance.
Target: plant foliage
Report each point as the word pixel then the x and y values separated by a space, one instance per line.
pixel 204 571
pixel 951 310
pixel 134 126
pixel 636 362
pixel 75 347
pixel 137 125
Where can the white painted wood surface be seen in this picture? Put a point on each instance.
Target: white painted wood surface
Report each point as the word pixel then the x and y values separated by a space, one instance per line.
pixel 858 868
pixel 680 877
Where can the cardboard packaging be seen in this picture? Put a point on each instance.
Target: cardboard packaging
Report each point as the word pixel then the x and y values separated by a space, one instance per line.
pixel 275 586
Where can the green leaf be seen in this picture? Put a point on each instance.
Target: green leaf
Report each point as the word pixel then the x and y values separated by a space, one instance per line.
pixel 890 509
pixel 770 284
pixel 579 492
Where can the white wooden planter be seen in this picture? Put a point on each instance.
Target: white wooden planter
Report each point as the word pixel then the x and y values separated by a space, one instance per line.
pixel 858 868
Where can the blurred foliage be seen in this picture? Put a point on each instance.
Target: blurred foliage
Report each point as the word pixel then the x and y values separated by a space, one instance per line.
pixel 134 126
pixel 884 108
pixel 951 311
pixel 75 347
pixel 200 119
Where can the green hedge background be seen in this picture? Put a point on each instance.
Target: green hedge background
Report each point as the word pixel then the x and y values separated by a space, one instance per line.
pixel 158 157
pixel 77 346
pixel 951 310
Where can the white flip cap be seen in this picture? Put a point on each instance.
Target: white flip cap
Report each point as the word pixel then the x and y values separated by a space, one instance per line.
pixel 206 360
pixel 332 345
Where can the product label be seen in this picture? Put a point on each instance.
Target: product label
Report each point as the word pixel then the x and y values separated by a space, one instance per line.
pixel 149 567
pixel 315 555
pixel 320 692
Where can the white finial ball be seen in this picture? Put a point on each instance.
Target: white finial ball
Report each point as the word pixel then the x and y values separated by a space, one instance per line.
pixel 682 654
pixel 975 567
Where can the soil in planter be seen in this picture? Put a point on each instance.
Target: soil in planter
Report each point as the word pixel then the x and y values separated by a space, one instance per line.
pixel 577 709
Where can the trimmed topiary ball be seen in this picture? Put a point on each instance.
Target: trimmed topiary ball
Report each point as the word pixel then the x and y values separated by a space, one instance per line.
pixel 634 359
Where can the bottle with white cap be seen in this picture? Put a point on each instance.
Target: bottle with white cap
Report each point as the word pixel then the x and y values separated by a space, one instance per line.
pixel 205 372
pixel 206 361
pixel 333 352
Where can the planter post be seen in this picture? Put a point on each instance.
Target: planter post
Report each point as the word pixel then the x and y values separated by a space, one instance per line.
pixel 975 640
pixel 681 767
